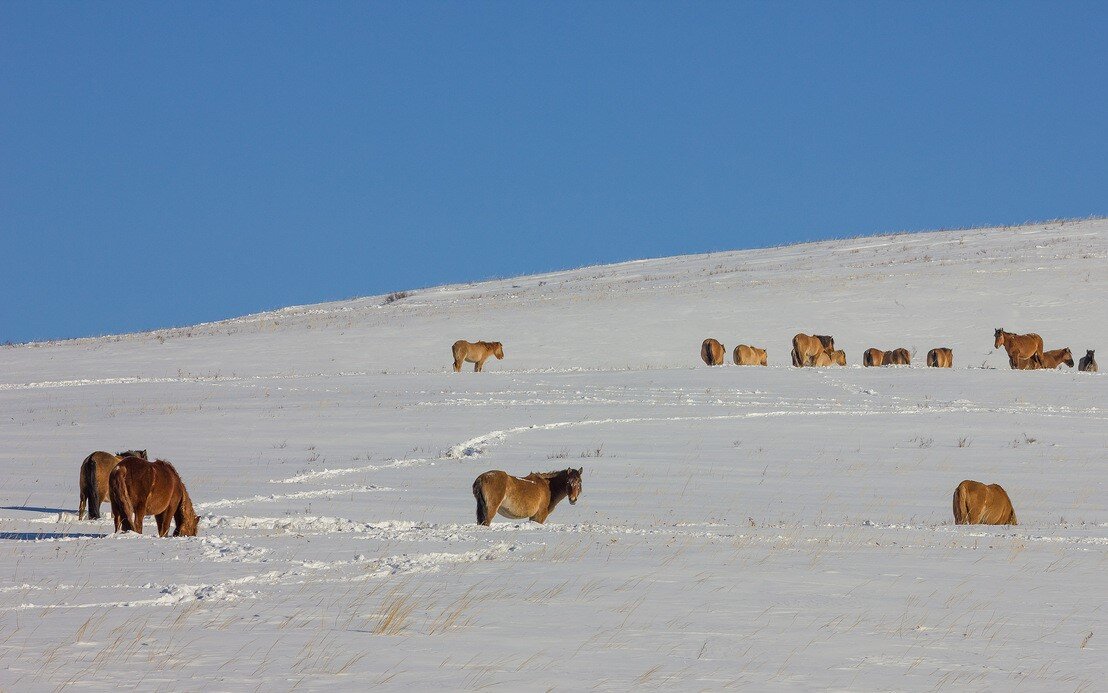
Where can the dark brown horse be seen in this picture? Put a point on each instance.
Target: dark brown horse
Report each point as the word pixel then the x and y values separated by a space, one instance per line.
pixel 873 357
pixel 712 352
pixel 897 357
pixel 1018 346
pixel 92 481
pixel 1087 363
pixel 940 357
pixel 978 504
pixel 1055 358
pixel 139 488
pixel 534 496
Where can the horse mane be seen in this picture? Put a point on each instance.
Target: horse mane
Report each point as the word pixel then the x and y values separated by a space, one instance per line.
pixel 550 475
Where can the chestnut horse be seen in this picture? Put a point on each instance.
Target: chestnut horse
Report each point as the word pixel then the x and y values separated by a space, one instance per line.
pixel 1018 346
pixel 476 353
pixel 978 504
pixel 873 357
pixel 1087 363
pixel 712 352
pixel 92 481
pixel 807 347
pixel 749 356
pixel 1055 358
pixel 139 488
pixel 533 497
pixel 897 357
pixel 940 357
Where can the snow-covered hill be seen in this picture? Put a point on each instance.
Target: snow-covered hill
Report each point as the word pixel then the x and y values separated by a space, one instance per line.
pixel 772 527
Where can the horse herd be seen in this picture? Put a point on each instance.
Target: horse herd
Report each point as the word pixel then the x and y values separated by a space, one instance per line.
pixel 1025 352
pixel 137 487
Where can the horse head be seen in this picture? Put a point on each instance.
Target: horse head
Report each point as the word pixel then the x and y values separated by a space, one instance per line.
pixel 998 338
pixel 498 350
pixel 573 484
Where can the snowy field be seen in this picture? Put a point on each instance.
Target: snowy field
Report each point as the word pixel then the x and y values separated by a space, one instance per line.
pixel 759 528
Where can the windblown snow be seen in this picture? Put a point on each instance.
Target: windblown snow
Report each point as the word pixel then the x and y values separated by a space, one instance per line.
pixel 768 528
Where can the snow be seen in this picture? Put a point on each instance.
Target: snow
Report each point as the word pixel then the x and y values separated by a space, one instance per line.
pixel 772 528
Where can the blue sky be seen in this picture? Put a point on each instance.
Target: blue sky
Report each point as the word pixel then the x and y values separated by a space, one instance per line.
pixel 169 163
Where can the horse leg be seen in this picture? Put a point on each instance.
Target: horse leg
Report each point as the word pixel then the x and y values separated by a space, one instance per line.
pixel 140 513
pixel 163 522
pixel 458 364
pixel 81 507
pixel 478 365
pixel 493 502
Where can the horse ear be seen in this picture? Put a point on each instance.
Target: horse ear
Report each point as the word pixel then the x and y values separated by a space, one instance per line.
pixel 581 470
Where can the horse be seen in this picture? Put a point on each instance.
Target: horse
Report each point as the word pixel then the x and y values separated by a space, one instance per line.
pixel 1018 346
pixel 533 497
pixel 1055 358
pixel 749 356
pixel 1087 364
pixel 139 488
pixel 897 357
pixel 873 357
pixel 978 504
pixel 806 347
pixel 838 357
pixel 940 357
pixel 92 481
pixel 476 353
pixel 712 352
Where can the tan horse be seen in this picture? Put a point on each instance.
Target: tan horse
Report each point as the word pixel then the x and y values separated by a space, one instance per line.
pixel 93 480
pixel 1018 346
pixel 897 357
pixel 139 488
pixel 838 357
pixel 873 357
pixel 1055 358
pixel 712 352
pixel 533 497
pixel 978 504
pixel 476 353
pixel 940 357
pixel 1087 364
pixel 807 347
pixel 749 356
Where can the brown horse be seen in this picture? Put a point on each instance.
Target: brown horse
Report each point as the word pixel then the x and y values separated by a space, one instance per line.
pixel 712 352
pixel 1018 346
pixel 897 357
pixel 1087 363
pixel 749 356
pixel 139 488
pixel 873 357
pixel 807 347
pixel 476 353
pixel 978 504
pixel 93 480
pixel 1055 358
pixel 940 357
pixel 534 496
pixel 838 357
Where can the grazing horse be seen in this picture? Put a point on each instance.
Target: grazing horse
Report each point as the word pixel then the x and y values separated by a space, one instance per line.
pixel 807 347
pixel 1055 358
pixel 940 357
pixel 978 504
pixel 838 357
pixel 533 497
pixel 1018 346
pixel 873 357
pixel 139 488
pixel 712 352
pixel 897 357
pixel 749 356
pixel 1087 363
pixel 93 480
pixel 476 353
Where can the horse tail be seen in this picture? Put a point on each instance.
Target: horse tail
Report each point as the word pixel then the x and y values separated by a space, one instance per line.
pixel 482 505
pixel 122 507
pixel 961 507
pixel 89 492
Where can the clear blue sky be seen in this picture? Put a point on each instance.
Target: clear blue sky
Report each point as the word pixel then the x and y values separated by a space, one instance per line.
pixel 169 163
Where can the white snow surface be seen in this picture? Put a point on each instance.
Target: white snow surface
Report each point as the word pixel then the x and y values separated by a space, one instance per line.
pixel 760 528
